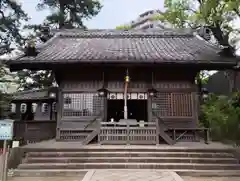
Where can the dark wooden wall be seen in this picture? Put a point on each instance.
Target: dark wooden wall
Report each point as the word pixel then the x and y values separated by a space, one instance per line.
pixel 176 101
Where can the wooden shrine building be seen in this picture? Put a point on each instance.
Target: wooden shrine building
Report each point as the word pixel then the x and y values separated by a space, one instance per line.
pixel 126 87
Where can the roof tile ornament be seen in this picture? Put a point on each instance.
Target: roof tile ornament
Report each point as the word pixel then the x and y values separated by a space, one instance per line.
pixel 30 49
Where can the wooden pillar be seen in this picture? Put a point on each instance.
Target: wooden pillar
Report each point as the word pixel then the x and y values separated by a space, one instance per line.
pixel 59 113
pixel 149 109
pixel 195 108
pixel 50 109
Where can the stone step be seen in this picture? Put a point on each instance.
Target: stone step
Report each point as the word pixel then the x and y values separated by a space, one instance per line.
pixel 48 173
pixel 209 173
pixel 130 159
pixel 105 148
pixel 130 154
pixel 81 173
pixel 148 165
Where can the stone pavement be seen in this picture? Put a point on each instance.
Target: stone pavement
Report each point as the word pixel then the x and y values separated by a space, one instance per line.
pixel 111 175
pixel 131 175
pixel 44 179
pixel 125 175
pixel 211 178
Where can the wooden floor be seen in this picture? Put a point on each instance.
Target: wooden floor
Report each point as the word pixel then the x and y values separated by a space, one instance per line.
pixel 76 145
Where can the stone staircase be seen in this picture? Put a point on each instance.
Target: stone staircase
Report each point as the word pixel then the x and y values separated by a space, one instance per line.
pixel 184 161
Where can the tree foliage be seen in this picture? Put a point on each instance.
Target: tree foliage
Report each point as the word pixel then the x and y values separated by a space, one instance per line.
pixel 70 13
pixel 222 115
pixel 29 80
pixel 6 79
pixel 124 27
pixel 11 15
pixel 217 15
pixel 64 14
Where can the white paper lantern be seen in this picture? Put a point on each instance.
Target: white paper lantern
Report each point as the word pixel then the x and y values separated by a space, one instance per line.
pixel 54 107
pixel 23 108
pixel 34 107
pixel 13 107
pixel 44 107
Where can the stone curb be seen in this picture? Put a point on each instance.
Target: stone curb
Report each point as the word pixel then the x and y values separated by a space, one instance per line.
pixel 88 175
pixel 176 176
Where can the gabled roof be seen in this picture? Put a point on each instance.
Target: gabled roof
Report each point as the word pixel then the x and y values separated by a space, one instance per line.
pixel 41 94
pixel 132 46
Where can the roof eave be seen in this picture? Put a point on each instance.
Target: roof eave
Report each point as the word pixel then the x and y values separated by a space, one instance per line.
pixel 31 100
pixel 41 65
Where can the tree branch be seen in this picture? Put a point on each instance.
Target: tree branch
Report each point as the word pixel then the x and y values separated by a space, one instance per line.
pixel 3 16
pixel 236 11
pixel 218 34
pixel 200 1
pixel 222 40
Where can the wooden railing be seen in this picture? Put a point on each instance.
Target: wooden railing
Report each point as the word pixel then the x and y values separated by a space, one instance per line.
pixel 34 131
pixel 192 133
pixel 161 128
pixel 96 131
pixel 173 135
pixel 128 133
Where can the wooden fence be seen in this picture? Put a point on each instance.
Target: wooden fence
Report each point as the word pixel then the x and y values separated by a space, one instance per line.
pixel 34 131
pixel 128 133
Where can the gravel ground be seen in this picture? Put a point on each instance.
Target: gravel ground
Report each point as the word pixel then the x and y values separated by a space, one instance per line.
pixel 211 178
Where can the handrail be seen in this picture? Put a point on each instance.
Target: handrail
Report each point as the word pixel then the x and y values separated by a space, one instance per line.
pixel 126 123
pixel 160 119
pixel 91 122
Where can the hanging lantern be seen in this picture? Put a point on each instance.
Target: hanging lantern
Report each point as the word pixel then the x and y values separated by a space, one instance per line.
pixel 23 108
pixel 13 107
pixel 152 92
pixel 52 92
pixel 54 107
pixel 34 107
pixel 44 107
pixel 102 92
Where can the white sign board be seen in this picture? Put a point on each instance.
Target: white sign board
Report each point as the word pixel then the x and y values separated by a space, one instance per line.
pixel 15 144
pixel 6 129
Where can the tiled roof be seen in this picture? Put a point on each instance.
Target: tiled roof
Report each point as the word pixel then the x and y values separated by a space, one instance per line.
pixel 133 46
pixel 31 95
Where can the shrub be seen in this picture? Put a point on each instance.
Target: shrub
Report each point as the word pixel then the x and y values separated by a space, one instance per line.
pixel 222 115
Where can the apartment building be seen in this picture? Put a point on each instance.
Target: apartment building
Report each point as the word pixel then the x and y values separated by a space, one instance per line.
pixel 148 20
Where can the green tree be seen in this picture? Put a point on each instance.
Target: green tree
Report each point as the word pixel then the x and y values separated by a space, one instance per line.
pixel 70 13
pixel 124 27
pixel 222 115
pixel 29 80
pixel 217 15
pixel 11 15
pixel 64 14
pixel 7 80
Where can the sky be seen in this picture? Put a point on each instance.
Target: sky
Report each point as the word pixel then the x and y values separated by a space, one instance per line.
pixel 113 13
